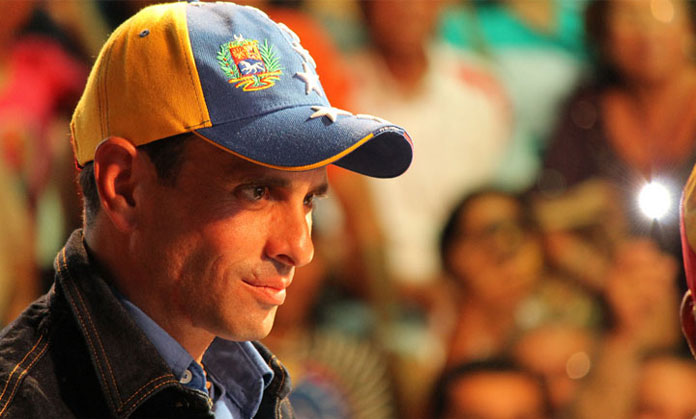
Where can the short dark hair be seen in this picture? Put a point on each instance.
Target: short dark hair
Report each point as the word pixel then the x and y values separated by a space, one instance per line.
pixel 166 155
pixel 440 398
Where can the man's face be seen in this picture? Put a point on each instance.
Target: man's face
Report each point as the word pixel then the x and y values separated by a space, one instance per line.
pixel 219 247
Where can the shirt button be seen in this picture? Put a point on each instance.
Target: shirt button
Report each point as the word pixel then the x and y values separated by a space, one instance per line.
pixel 186 377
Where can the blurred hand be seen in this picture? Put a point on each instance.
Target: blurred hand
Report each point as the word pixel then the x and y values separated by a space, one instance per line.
pixel 642 293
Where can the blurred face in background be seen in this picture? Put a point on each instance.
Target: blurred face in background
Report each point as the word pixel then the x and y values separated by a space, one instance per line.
pixel 559 354
pixel 649 40
pixel 495 395
pixel 399 26
pixel 666 389
pixel 495 255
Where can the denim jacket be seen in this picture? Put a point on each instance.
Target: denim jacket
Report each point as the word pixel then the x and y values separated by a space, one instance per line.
pixel 75 352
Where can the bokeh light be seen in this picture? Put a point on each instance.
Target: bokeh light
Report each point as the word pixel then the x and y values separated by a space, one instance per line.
pixel 654 200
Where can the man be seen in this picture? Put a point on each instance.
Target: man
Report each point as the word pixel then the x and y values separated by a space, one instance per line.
pixel 688 239
pixel 203 135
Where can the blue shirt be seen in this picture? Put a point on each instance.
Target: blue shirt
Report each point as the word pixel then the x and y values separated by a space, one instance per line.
pixel 236 370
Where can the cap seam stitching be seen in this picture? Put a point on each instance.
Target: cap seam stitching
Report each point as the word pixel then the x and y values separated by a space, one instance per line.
pixel 199 125
pixel 284 106
pixel 105 118
pixel 189 55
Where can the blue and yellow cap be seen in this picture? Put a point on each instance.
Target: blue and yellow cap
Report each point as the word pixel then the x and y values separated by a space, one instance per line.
pixel 235 78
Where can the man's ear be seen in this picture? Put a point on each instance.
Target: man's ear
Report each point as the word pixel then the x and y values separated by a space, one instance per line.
pixel 114 162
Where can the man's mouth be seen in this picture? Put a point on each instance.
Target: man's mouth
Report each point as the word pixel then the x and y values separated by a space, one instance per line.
pixel 270 292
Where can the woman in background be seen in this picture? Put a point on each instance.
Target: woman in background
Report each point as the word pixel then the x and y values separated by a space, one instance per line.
pixel 635 122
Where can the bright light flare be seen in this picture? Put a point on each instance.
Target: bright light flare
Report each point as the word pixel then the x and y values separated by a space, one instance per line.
pixel 654 200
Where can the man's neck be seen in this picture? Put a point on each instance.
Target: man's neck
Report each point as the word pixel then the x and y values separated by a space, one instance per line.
pixel 129 280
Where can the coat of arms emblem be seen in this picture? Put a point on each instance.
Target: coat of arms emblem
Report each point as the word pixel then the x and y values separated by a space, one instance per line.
pixel 249 64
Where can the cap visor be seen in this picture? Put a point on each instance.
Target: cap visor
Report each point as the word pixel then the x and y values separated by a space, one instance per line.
pixel 290 139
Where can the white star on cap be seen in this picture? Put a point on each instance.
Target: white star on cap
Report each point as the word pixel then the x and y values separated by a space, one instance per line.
pixel 310 78
pixel 329 112
pixel 372 117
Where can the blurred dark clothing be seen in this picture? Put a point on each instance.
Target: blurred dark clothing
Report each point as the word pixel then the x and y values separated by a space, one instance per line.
pixel 76 352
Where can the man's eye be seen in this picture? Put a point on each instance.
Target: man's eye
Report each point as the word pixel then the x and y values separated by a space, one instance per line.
pixel 260 192
pixel 309 200
pixel 254 193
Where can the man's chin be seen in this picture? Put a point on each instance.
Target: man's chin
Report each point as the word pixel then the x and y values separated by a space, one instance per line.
pixel 256 330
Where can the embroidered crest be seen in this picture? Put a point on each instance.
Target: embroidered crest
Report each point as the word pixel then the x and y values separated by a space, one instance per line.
pixel 249 65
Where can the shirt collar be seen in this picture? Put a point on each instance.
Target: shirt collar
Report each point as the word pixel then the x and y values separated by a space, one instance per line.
pixel 178 359
pixel 243 384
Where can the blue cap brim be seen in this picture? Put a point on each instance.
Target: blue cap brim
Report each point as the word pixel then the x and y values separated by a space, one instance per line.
pixel 290 139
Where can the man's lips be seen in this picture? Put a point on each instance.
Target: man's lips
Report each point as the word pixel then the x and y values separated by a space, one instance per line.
pixel 270 291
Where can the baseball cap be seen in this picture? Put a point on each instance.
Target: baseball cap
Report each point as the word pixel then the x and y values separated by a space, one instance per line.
pixel 235 78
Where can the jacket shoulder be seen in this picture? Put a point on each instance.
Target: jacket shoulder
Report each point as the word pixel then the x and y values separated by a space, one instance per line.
pixel 36 371
pixel 27 398
pixel 23 348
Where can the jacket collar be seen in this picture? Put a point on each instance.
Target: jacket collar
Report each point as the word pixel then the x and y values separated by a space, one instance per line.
pixel 118 349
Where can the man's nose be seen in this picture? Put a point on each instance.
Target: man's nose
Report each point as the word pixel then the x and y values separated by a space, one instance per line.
pixel 290 238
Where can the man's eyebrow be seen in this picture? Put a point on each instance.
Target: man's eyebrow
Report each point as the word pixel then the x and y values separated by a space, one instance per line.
pixel 275 181
pixel 322 189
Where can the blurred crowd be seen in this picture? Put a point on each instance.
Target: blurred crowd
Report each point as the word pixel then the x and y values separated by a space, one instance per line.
pixel 512 272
